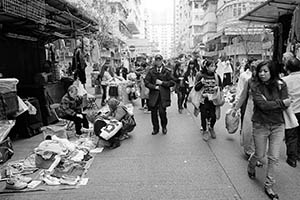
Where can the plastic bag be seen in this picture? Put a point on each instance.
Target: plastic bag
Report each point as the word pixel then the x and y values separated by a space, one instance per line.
pixel 195 97
pixel 81 90
pixel 218 98
pixel 232 121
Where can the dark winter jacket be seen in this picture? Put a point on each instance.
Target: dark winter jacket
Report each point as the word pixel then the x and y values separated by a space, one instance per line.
pixel 181 81
pixel 69 106
pixel 268 102
pixel 164 90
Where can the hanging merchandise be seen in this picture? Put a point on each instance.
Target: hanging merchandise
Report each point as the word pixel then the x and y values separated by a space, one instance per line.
pixel 296 22
pixel 95 52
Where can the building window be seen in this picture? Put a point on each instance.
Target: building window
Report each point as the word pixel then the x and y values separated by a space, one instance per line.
pixel 234 10
pixel 196 5
pixel 113 9
pixel 244 7
pixel 239 9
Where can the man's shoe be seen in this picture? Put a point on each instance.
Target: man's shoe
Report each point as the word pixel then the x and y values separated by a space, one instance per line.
pixel 212 133
pixel 205 136
pixel 251 172
pixel 271 194
pixel 292 163
pixel 154 132
pixel 164 131
pixel 115 145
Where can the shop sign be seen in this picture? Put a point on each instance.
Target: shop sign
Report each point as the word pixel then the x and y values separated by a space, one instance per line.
pixel 132 48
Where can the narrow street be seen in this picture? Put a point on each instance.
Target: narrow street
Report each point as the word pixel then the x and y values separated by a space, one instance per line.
pixel 179 165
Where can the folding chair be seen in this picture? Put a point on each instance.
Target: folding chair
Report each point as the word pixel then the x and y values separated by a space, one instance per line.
pixel 69 123
pixel 91 102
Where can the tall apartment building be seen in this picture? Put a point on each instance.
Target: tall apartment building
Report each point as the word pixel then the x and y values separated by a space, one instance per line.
pixel 182 19
pixel 134 16
pixel 189 26
pixel 163 35
pixel 233 37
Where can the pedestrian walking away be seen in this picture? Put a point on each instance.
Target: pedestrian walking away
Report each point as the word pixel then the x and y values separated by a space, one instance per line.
pixel 159 81
pixel 292 138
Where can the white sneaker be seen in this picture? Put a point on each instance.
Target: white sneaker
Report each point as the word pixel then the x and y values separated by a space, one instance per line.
pixel 205 136
pixel 50 180
pixel 22 178
pixel 15 184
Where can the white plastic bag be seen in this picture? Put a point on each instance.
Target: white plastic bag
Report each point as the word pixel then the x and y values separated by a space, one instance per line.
pixel 195 97
pixel 81 90
pixel 232 121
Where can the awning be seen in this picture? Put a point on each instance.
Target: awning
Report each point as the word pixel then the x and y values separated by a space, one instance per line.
pixel 271 10
pixel 55 19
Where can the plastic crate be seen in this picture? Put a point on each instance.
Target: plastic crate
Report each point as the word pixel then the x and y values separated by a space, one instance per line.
pixel 8 85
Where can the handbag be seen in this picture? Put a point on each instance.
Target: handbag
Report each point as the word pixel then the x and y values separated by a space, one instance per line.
pixel 290 118
pixel 6 150
pixel 128 122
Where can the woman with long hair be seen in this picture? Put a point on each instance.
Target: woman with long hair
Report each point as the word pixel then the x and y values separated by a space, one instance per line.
pixel 208 82
pixel 270 97
pixel 190 76
pixel 180 86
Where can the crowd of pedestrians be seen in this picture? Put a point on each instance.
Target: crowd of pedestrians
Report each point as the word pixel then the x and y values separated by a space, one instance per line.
pixel 269 102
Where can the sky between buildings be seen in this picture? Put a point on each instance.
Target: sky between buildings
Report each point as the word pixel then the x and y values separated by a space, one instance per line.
pixel 160 11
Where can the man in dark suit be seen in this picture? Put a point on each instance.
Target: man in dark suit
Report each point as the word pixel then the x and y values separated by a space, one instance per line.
pixel 159 80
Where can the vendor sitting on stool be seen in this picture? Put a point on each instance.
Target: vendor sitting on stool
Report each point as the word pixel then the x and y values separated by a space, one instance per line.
pixel 71 109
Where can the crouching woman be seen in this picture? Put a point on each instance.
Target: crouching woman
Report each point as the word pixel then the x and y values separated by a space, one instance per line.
pixel 118 112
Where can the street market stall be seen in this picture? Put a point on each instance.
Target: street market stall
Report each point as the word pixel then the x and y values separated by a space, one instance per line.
pixel 282 16
pixel 26 29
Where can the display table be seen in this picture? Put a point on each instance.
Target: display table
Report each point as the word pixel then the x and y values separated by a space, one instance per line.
pixel 5 127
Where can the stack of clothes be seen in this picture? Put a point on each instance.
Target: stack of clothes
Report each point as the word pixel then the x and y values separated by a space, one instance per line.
pixel 54 162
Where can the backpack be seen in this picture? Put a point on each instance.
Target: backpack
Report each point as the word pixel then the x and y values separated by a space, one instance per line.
pixel 128 121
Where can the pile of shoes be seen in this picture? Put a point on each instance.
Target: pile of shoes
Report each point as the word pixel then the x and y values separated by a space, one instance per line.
pixel 68 180
pixel 50 180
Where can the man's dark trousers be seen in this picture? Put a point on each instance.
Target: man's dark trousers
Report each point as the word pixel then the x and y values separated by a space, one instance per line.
pixel 158 109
